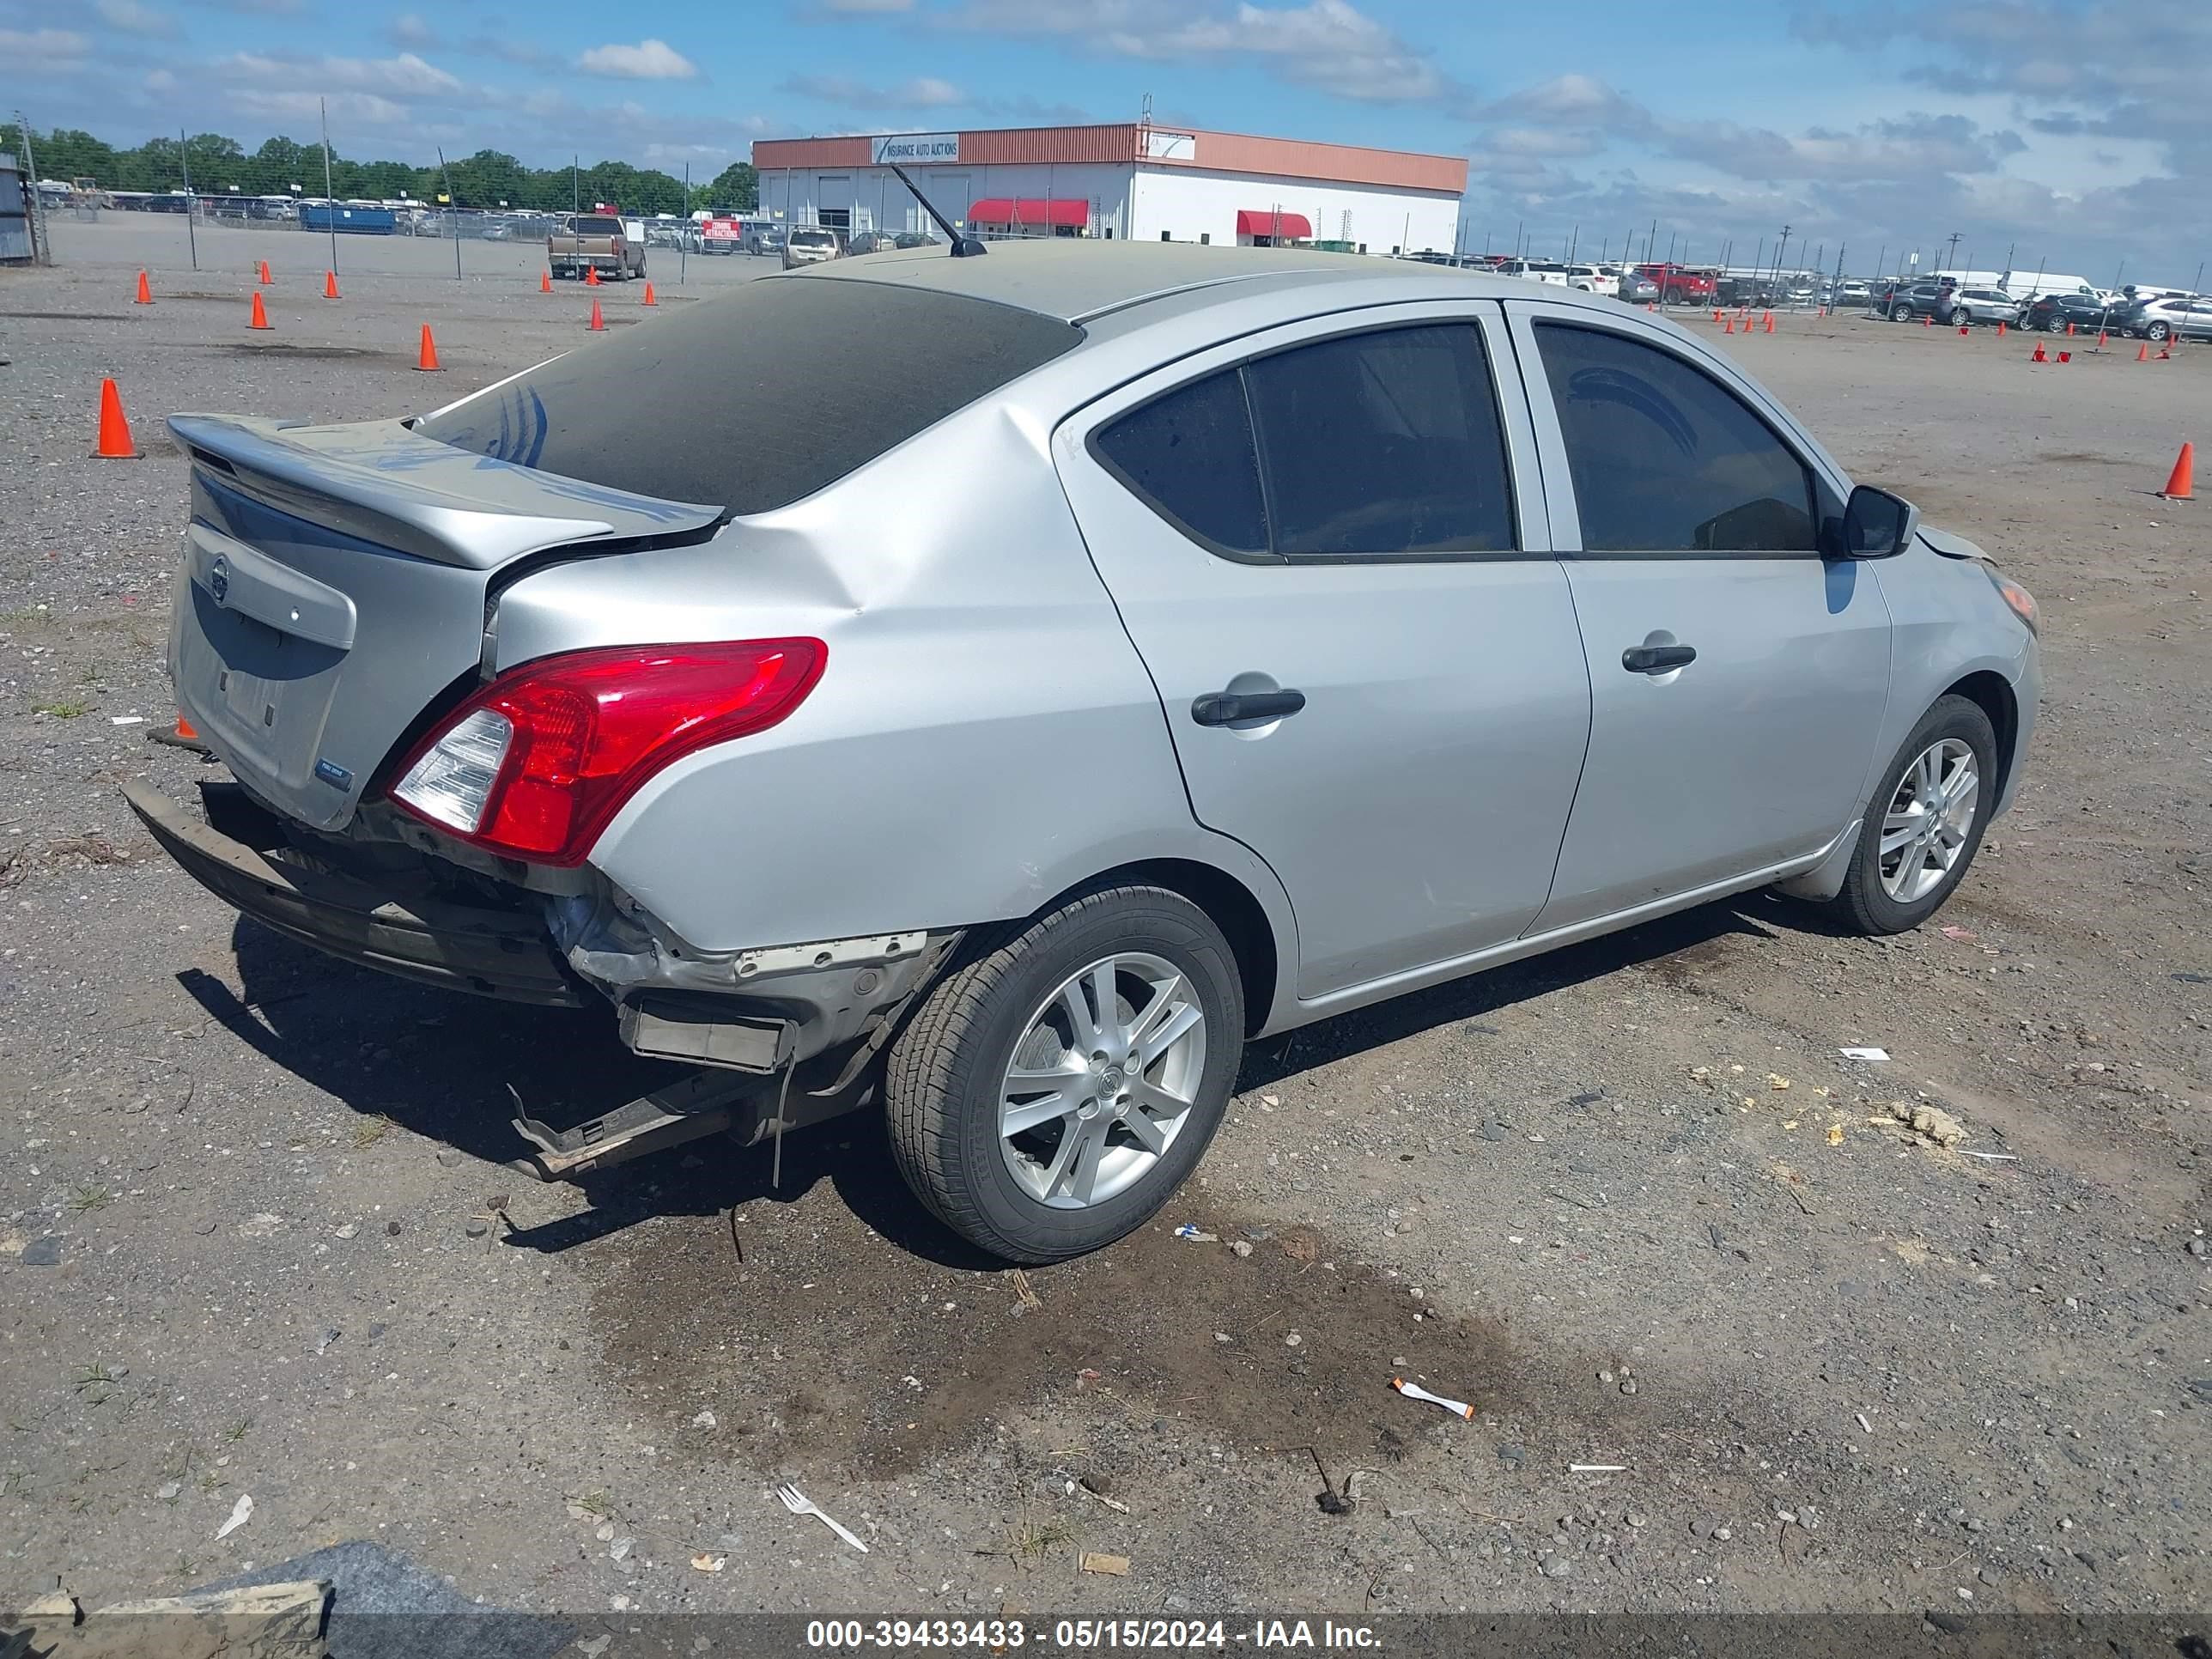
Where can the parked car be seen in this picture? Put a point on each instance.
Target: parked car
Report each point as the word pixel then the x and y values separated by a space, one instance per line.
pixel 1593 279
pixel 2053 312
pixel 917 239
pixel 640 724
pixel 1906 303
pixel 1681 286
pixel 808 244
pixel 764 239
pixel 1535 271
pixel 594 241
pixel 1988 305
pixel 870 241
pixel 1637 289
pixel 1851 292
pixel 2167 318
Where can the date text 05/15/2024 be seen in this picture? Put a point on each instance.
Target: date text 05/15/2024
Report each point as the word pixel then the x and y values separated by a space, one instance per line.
pixel 1086 1635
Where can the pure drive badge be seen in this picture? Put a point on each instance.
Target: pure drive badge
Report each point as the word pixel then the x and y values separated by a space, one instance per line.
pixel 334 774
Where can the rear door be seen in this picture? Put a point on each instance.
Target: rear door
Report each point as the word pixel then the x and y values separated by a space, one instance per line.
pixel 1738 680
pixel 1329 544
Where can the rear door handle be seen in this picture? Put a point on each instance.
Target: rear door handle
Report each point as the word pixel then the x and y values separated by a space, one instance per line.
pixel 1228 708
pixel 1657 658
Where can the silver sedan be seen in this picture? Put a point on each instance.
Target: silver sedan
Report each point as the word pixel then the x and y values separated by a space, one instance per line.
pixel 1160 647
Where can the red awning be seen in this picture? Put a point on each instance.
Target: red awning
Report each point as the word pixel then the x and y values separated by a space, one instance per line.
pixel 1269 222
pixel 1058 211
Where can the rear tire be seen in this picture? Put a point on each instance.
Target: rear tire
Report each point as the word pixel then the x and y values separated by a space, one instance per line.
pixel 1884 893
pixel 950 1084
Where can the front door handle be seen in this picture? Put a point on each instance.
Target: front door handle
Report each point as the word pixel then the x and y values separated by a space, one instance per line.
pixel 1229 708
pixel 1657 658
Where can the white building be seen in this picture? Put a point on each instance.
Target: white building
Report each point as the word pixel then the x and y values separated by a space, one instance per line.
pixel 1130 179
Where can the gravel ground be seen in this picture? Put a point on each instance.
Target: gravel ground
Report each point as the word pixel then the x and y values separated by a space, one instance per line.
pixel 257 1237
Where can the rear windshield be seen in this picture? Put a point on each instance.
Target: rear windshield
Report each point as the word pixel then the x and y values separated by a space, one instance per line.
pixel 757 397
pixel 596 227
pixel 814 238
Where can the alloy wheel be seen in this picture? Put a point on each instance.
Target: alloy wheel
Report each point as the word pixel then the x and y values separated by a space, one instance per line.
pixel 1930 816
pixel 1102 1080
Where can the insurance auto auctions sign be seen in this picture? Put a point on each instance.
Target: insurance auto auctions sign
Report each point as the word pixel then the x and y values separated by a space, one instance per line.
pixel 911 147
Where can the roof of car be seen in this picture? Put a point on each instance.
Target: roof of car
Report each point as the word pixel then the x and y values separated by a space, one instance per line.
pixel 1072 279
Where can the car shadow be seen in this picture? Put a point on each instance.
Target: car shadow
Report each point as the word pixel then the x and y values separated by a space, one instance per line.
pixel 449 1066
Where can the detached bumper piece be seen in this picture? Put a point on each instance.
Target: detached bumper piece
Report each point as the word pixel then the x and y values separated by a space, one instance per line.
pixel 491 952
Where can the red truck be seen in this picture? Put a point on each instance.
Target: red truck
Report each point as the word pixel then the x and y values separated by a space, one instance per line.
pixel 1678 285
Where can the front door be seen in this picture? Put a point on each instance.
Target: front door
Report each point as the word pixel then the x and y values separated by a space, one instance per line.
pixel 1329 548
pixel 1738 680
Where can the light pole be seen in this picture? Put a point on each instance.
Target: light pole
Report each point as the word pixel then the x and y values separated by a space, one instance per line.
pixel 1951 259
pixel 1780 248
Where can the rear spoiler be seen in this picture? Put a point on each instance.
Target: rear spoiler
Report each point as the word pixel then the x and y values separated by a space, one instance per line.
pixel 385 483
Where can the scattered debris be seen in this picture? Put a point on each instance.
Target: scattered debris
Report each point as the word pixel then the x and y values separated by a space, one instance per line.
pixel 45 1252
pixel 1963 935
pixel 1188 1231
pixel 1415 1391
pixel 1994 1157
pixel 1865 1053
pixel 1835 1134
pixel 1025 1296
pixel 1095 1496
pixel 1302 1246
pixel 705 1420
pixel 710 1562
pixel 1116 1565
pixel 126 720
pixel 1242 1246
pixel 1597 1468
pixel 620 1549
pixel 1776 1080
pixel 261 1225
pixel 1931 1121
pixel 240 1513
pixel 1863 1424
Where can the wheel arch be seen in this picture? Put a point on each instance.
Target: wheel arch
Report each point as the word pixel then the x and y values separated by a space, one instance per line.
pixel 1993 694
pixel 1229 904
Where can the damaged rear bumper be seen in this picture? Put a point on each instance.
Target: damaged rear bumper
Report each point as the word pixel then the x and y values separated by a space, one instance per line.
pixel 491 952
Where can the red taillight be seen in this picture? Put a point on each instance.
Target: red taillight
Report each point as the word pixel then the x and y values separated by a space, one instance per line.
pixel 587 731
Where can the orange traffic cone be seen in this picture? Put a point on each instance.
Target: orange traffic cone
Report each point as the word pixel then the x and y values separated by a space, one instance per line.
pixel 1650 305
pixel 114 443
pixel 2181 487
pixel 184 736
pixel 145 291
pixel 2001 328
pixel 2065 356
pixel 544 282
pixel 1963 328
pixel 265 273
pixel 2143 354
pixel 2070 330
pixel 260 317
pixel 599 323
pixel 329 285
pixel 1927 322
pixel 1770 322
pixel 426 360
pixel 1716 316
pixel 2165 351
pixel 1728 326
pixel 2038 357
pixel 648 300
pixel 2100 339
pixel 591 276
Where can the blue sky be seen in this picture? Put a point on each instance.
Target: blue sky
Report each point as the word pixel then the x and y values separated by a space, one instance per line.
pixel 2041 123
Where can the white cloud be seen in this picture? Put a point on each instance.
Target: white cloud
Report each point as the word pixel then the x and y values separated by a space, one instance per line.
pixel 410 30
pixel 133 17
pixel 648 60
pixel 923 92
pixel 405 76
pixel 353 108
pixel 159 81
pixel 49 45
pixel 1329 43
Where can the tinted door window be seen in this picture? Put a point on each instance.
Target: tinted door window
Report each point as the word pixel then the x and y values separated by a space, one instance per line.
pixel 1382 443
pixel 1665 459
pixel 1189 457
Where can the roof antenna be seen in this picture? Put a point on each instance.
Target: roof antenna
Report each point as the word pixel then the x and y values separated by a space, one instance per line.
pixel 962 246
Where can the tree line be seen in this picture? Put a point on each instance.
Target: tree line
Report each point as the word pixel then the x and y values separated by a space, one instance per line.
pixel 283 167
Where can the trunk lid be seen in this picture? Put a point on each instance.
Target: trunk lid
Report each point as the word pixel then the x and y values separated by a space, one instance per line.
pixel 335 582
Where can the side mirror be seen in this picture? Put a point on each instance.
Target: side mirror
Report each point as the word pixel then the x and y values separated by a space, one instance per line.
pixel 1877 525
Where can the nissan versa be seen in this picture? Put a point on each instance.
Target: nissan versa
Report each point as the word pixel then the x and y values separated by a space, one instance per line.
pixel 997 688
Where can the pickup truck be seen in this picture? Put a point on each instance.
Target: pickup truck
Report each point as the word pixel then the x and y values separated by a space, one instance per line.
pixel 598 241
pixel 1677 286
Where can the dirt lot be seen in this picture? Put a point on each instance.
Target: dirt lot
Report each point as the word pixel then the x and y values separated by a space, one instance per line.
pixel 257 1237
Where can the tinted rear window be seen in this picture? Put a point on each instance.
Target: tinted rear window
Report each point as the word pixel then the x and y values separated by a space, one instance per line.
pixel 754 399
pixel 596 227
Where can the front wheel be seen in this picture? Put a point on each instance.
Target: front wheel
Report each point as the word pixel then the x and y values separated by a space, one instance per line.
pixel 1051 1093
pixel 1924 823
pixel 2157 331
pixel 1902 314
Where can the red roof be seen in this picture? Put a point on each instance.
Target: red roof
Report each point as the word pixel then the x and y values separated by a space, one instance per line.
pixel 1266 221
pixel 1056 211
